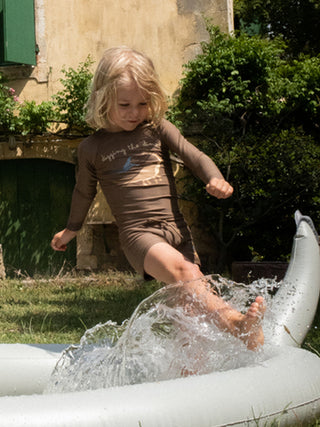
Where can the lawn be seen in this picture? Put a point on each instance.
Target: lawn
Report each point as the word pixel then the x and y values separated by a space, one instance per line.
pixel 59 310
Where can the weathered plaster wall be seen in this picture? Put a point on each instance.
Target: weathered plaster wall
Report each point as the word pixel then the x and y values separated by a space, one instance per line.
pixel 170 31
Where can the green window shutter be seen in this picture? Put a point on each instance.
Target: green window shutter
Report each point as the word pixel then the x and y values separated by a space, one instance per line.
pixel 19 44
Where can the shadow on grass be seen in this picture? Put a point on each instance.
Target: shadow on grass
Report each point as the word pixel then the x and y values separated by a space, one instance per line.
pixel 63 310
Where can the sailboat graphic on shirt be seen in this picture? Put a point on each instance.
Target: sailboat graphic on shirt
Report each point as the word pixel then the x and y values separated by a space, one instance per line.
pixel 128 165
pixel 145 173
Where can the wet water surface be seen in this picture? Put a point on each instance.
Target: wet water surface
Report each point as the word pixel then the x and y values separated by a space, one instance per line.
pixel 170 335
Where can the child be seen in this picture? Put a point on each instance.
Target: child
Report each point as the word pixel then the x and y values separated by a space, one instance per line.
pixel 129 156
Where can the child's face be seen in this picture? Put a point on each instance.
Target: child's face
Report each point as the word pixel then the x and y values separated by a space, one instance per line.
pixel 130 109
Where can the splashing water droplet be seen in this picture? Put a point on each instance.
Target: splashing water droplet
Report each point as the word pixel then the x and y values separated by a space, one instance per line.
pixel 168 336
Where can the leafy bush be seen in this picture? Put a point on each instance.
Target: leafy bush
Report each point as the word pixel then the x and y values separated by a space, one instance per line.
pixel 272 177
pixel 65 110
pixel 35 119
pixel 70 101
pixel 300 91
pixel 257 116
pixel 230 79
pixel 8 105
pixel 243 84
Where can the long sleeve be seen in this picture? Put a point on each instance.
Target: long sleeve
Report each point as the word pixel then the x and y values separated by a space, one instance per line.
pixel 199 163
pixel 85 188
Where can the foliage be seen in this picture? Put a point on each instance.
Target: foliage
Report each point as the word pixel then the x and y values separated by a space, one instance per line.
pixel 226 87
pixel 272 177
pixel 66 108
pixel 33 118
pixel 70 101
pixel 298 22
pixel 8 103
pixel 257 115
pixel 239 84
pixel 22 118
pixel 299 87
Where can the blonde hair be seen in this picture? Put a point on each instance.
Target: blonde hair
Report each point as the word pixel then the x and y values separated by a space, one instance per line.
pixel 118 65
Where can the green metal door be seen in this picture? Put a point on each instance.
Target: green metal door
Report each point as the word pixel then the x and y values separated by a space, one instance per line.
pixel 35 197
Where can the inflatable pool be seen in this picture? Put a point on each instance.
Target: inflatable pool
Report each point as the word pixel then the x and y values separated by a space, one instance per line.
pixel 284 389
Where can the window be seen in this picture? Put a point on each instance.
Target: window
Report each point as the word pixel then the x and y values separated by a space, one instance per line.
pixel 17 32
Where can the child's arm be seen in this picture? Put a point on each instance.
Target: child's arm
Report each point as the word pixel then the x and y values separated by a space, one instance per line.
pixel 61 239
pixel 83 194
pixel 86 185
pixel 198 162
pixel 219 188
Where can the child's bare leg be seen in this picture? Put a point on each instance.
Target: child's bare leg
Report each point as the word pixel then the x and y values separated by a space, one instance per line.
pixel 166 264
pixel 246 327
pixel 250 326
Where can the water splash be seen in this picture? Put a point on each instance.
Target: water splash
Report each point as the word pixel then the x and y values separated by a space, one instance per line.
pixel 168 336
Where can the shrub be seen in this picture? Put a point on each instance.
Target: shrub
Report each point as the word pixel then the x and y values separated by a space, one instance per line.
pixel 63 113
pixel 225 89
pixel 257 115
pixel 70 102
pixel 272 177
pixel 8 106
pixel 35 119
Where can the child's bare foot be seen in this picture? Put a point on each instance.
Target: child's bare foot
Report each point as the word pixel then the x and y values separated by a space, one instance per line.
pixel 250 330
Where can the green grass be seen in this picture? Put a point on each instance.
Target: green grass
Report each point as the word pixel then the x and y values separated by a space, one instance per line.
pixel 59 310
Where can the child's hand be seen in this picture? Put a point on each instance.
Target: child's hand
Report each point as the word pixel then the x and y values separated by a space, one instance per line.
pixel 219 188
pixel 60 240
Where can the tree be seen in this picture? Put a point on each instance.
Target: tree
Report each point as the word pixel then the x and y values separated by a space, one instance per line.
pixel 297 21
